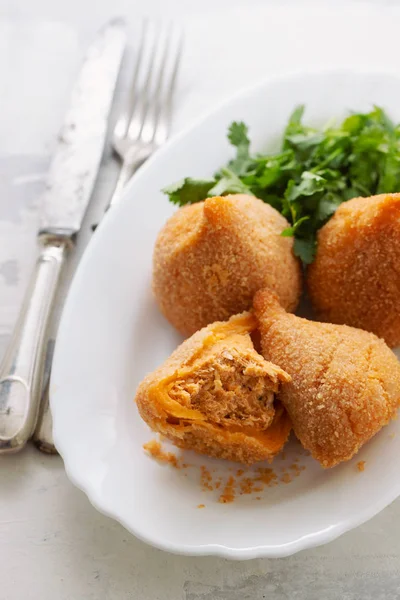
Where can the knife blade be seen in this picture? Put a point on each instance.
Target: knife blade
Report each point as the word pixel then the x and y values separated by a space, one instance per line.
pixel 69 186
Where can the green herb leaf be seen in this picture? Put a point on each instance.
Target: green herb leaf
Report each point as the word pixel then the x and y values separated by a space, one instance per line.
pixel 310 183
pixel 295 118
pixel 229 183
pixel 237 134
pixel 313 173
pixel 327 207
pixel 291 231
pixel 305 141
pixel 188 190
pixel 305 249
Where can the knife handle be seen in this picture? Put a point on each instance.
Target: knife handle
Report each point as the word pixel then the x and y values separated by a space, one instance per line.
pixel 43 435
pixel 22 368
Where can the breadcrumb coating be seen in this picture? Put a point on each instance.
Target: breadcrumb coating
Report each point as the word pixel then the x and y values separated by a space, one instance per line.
pixel 355 278
pixel 211 257
pixel 215 395
pixel 345 382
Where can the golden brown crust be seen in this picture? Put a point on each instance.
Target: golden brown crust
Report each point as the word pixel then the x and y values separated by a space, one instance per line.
pixel 237 447
pixel 211 257
pixel 345 382
pixel 215 395
pixel 355 278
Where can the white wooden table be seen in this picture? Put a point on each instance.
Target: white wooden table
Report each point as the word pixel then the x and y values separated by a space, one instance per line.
pixel 53 544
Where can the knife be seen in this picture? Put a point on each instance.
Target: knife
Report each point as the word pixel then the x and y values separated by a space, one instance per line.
pixel 43 434
pixel 69 186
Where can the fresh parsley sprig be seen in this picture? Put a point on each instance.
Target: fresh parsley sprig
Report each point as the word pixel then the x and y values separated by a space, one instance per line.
pixel 312 174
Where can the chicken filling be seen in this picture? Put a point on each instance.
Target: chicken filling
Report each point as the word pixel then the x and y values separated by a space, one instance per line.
pixel 232 389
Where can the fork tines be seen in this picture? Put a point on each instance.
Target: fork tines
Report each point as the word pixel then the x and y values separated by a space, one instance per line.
pixel 148 114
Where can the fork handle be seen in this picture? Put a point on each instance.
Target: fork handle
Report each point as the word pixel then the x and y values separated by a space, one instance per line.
pixel 126 172
pixel 22 367
pixel 130 164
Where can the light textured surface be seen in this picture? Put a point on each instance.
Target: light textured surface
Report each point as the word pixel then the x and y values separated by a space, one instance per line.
pixel 53 544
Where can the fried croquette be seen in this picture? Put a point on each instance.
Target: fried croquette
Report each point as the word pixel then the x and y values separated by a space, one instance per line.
pixel 215 395
pixel 345 382
pixel 211 257
pixel 355 278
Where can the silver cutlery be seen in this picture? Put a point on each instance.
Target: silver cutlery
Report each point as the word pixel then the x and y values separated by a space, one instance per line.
pixel 43 435
pixel 142 127
pixel 70 183
pixel 144 124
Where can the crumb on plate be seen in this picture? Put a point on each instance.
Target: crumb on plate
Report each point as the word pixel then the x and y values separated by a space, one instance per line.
pixel 206 479
pixel 228 495
pixel 154 449
pixel 240 481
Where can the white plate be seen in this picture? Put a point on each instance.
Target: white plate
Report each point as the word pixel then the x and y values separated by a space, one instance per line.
pixel 111 335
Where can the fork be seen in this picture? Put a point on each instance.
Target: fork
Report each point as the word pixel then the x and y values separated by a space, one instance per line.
pixel 142 127
pixel 144 124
